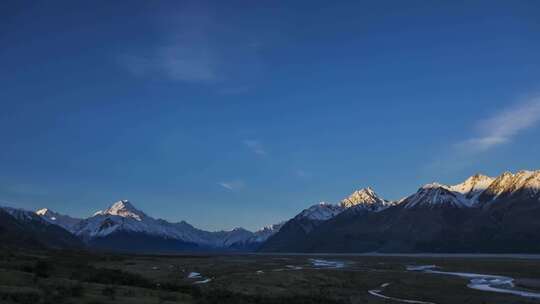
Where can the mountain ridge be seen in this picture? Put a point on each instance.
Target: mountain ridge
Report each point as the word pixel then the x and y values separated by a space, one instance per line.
pixel 22 228
pixel 481 214
pixel 123 218
pixel 472 215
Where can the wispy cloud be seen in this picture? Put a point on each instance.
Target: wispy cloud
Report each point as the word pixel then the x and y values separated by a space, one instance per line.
pixel 301 173
pixel 487 134
pixel 502 127
pixel 8 203
pixel 232 185
pixel 195 44
pixel 255 146
pixel 179 62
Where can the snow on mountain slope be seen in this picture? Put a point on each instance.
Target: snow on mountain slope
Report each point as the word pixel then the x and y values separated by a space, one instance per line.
pixel 435 195
pixel 264 233
pixel 367 199
pixel 124 209
pixel 228 238
pixel 22 215
pixel 27 229
pixel 363 199
pixel 477 189
pixel 508 183
pixel 123 216
pixel 64 221
pixel 465 194
pixel 472 188
pixel 321 211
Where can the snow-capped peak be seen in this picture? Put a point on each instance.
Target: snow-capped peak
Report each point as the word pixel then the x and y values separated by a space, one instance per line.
pixel 434 185
pixel 64 221
pixel 477 189
pixel 508 183
pixel 364 198
pixel 270 229
pixel 432 195
pixel 465 194
pixel 122 216
pixel 21 214
pixel 321 211
pixel 472 187
pixel 124 208
pixel 47 214
pixel 42 211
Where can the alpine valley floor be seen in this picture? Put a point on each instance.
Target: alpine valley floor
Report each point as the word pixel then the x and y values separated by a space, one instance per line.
pixel 93 278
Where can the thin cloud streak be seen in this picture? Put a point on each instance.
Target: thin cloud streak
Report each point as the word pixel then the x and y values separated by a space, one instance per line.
pixel 489 133
pixel 503 126
pixel 301 173
pixel 232 185
pixel 176 62
pixel 255 146
pixel 8 203
pixel 186 50
pixel 194 46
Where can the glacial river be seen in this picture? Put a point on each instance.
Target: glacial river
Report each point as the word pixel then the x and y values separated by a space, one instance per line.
pixel 485 282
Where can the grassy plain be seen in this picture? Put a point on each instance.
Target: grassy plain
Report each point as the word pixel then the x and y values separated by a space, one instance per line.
pixel 94 278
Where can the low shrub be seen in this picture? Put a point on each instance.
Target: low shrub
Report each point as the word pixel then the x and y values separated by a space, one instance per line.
pixel 42 269
pixel 109 292
pixel 22 295
pixel 218 296
pixel 111 277
pixel 60 291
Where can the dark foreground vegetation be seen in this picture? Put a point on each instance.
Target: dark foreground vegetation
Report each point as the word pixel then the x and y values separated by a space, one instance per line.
pixel 92 278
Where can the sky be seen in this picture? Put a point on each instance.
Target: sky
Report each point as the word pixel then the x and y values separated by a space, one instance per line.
pixel 243 113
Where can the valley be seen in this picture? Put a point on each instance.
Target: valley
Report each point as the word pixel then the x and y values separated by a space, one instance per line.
pixel 474 242
pixel 270 152
pixel 93 278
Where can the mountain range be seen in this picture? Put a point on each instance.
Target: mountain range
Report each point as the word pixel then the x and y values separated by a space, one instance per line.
pixel 122 227
pixel 481 214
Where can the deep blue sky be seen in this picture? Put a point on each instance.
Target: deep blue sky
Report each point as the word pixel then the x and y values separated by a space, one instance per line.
pixel 243 113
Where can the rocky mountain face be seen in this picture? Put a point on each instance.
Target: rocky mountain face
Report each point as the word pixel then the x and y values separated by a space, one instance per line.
pixel 524 185
pixel 63 221
pixel 472 188
pixel 434 196
pixel 482 214
pixel 365 199
pixel 295 231
pixel 20 228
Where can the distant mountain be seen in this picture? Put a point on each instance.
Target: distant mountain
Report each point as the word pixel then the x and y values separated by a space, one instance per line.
pixel 482 214
pixel 264 233
pixel 524 185
pixel 365 198
pixel 63 221
pixel 258 238
pixel 465 194
pixel 122 227
pixel 434 196
pixel 14 234
pixel 295 231
pixel 20 228
pixel 472 188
